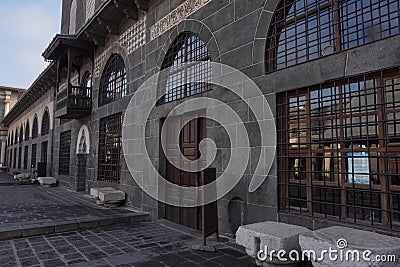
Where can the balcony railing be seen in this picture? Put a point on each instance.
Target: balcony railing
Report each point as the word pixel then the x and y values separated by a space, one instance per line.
pixel 73 101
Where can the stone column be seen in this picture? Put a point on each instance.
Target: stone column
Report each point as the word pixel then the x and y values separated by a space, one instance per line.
pixel 3 150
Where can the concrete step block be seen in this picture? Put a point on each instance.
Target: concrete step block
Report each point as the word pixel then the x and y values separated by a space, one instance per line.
pixel 47 181
pixel 271 235
pixel 111 195
pixel 94 192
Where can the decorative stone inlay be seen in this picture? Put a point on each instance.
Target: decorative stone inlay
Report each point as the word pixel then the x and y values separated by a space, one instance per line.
pixel 131 39
pixel 135 36
pixel 90 8
pixel 177 15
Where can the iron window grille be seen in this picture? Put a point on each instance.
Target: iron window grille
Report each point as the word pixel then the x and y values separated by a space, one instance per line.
pixel 110 146
pixel 21 134
pixel 113 83
pixel 11 158
pixel 15 158
pixel 189 61
pixel 305 30
pixel 16 137
pixel 19 157
pixel 33 157
pixel 35 128
pixel 26 157
pixel 45 123
pixel 339 150
pixel 27 130
pixel 65 153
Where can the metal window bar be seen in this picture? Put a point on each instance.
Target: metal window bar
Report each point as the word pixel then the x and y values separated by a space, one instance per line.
pixel 339 148
pixel 185 59
pixel 65 153
pixel 45 123
pixel 35 128
pixel 110 146
pixel 33 156
pixel 305 30
pixel 26 157
pixel 113 83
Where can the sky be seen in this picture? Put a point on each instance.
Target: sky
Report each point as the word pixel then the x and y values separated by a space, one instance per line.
pixel 26 29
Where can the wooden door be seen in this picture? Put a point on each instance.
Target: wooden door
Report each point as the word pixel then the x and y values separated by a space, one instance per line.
pixel 189 139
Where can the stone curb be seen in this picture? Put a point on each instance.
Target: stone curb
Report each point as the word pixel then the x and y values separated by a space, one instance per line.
pixel 65 226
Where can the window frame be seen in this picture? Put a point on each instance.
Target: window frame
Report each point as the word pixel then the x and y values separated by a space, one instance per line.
pixel 379 151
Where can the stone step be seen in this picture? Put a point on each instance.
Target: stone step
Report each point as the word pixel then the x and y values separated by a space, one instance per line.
pixel 12 232
pixel 47 181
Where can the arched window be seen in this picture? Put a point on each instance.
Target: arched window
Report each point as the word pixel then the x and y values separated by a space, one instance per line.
pixel 21 134
pixel 187 48
pixel 45 123
pixel 27 130
pixel 12 138
pixel 305 30
pixel 35 127
pixel 113 83
pixel 72 17
pixel 16 137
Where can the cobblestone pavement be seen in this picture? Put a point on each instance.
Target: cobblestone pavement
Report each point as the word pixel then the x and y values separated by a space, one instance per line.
pixel 139 244
pixel 6 178
pixel 35 206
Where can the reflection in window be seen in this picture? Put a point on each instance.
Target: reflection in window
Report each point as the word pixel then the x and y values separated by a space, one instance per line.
pixel 190 69
pixel 305 30
pixel 339 148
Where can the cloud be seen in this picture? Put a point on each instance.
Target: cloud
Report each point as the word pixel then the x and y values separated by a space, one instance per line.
pixel 26 28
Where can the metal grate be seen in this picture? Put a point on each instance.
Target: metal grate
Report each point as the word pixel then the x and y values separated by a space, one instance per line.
pixel 33 157
pixel 305 30
pixel 15 158
pixel 339 149
pixel 35 128
pixel 189 60
pixel 113 83
pixel 45 123
pixel 27 130
pixel 19 157
pixel 16 137
pixel 21 134
pixel 65 153
pixel 110 146
pixel 11 158
pixel 26 157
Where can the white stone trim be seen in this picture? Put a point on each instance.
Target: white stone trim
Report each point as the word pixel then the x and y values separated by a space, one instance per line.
pixel 176 16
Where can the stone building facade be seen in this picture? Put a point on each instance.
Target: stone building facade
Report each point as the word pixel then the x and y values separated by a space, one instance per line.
pixel 8 97
pixel 328 69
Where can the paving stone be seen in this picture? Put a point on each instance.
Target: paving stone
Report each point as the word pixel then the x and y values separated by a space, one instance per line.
pixel 37 210
pixel 53 263
pixel 29 261
pixel 67 248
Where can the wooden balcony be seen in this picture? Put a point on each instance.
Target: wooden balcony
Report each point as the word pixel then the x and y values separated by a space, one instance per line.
pixel 74 102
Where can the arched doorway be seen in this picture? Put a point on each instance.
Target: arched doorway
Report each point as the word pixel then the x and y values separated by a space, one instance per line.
pixel 82 150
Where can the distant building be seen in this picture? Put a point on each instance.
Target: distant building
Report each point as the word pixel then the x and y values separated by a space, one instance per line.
pixel 8 98
pixel 330 71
